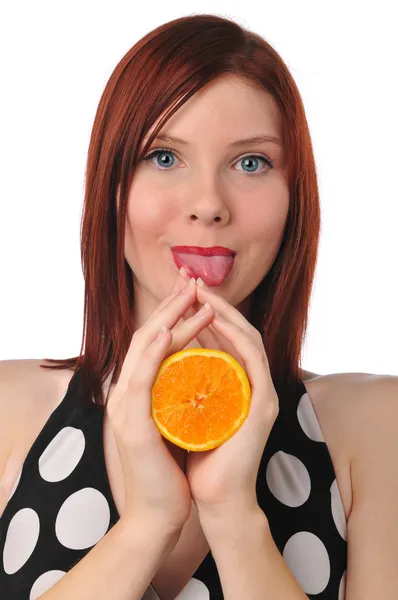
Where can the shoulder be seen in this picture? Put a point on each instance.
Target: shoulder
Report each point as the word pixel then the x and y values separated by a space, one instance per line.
pixel 28 393
pixel 25 379
pixel 360 411
pixel 357 413
pixel 354 398
pixel 353 405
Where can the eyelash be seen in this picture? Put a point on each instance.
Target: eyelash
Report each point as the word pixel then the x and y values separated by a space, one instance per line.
pixel 157 151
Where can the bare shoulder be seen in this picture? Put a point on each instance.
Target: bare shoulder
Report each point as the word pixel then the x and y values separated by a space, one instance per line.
pixel 349 404
pixel 355 412
pixel 361 410
pixel 28 393
pixel 25 380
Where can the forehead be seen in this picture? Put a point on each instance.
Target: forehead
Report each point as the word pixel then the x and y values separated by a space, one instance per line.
pixel 223 111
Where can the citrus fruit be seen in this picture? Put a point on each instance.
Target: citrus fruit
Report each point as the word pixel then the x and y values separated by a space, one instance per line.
pixel 200 398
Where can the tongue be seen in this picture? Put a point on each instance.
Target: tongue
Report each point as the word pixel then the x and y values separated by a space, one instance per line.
pixel 212 269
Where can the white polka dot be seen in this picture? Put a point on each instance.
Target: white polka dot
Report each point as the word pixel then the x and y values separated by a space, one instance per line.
pixel 22 535
pixel 342 587
pixel 44 583
pixel 338 510
pixel 308 420
pixel 150 594
pixel 15 485
pixel 288 479
pixel 83 519
pixel 194 590
pixel 62 454
pixel 307 558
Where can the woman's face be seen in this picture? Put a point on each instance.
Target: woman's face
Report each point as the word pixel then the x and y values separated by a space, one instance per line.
pixel 208 192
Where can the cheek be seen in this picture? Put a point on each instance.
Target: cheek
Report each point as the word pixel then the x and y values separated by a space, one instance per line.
pixel 264 218
pixel 147 213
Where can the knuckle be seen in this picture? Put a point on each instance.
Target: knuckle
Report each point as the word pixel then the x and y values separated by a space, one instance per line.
pixel 274 410
pixel 257 335
pixel 137 336
pixel 111 410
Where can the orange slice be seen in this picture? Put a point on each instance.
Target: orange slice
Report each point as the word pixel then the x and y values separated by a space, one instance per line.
pixel 200 398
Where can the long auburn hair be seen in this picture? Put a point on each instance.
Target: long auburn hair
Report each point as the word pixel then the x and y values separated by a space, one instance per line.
pixel 158 75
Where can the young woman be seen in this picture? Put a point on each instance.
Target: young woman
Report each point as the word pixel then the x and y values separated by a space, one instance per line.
pixel 200 140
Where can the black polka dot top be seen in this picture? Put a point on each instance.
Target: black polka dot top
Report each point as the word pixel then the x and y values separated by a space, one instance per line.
pixel 61 504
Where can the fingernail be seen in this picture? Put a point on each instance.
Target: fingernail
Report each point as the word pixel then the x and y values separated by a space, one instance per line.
pixel 200 282
pixel 184 273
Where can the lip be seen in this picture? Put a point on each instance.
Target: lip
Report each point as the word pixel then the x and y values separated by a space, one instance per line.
pixel 213 251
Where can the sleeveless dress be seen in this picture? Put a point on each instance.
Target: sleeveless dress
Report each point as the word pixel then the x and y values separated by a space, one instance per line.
pixel 61 504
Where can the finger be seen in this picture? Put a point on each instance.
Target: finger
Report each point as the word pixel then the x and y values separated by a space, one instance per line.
pixel 169 314
pixel 143 375
pixel 181 281
pixel 207 337
pixel 226 310
pixel 255 358
pixel 164 343
pixel 224 344
pixel 186 330
pixel 210 338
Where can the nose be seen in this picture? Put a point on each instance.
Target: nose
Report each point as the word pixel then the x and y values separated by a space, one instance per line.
pixel 208 207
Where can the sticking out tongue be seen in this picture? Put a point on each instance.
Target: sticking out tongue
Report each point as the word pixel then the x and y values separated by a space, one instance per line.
pixel 212 269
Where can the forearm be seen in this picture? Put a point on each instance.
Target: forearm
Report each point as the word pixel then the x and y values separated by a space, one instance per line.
pixel 120 566
pixel 248 562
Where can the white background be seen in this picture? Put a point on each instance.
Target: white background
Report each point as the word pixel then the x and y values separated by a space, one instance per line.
pixel 55 61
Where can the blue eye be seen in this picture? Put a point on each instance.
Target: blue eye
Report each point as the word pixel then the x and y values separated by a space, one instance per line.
pixel 157 153
pixel 248 160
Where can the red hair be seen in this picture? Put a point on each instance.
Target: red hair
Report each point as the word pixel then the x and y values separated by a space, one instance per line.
pixel 159 74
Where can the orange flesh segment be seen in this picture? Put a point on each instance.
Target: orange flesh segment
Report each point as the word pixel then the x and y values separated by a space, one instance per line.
pixel 199 401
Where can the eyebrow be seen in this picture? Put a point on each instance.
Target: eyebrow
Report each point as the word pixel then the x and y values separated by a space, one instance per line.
pixel 245 141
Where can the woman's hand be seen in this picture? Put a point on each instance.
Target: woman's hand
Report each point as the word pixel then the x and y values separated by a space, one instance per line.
pixel 154 479
pixel 226 476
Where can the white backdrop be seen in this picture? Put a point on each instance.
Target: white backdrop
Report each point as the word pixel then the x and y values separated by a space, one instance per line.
pixel 55 61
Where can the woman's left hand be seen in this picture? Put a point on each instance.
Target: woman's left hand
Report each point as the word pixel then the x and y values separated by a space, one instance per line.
pixel 226 476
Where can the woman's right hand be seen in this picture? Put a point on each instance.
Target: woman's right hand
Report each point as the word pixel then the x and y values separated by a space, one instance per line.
pixel 155 484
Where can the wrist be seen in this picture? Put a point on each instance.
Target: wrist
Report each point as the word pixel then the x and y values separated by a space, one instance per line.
pixel 230 511
pixel 233 528
pixel 151 526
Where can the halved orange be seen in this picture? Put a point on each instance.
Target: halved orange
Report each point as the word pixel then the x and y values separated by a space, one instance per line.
pixel 200 398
